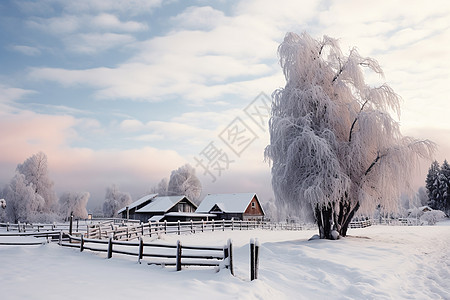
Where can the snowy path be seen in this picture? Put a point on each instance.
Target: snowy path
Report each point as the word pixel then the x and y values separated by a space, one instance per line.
pixel 378 262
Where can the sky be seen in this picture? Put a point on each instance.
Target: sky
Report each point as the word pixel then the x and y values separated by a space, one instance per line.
pixel 123 92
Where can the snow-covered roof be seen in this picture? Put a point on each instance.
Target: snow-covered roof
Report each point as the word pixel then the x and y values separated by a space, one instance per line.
pixel 190 214
pixel 159 204
pixel 230 203
pixel 138 202
pixel 156 218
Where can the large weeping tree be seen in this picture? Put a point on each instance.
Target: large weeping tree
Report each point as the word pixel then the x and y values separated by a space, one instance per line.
pixel 334 147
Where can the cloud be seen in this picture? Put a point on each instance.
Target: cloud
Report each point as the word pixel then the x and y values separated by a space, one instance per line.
pixel 27 50
pixel 64 25
pixel 111 22
pixel 92 43
pixel 198 18
pixel 135 7
pixel 77 168
pixel 131 125
pixel 147 138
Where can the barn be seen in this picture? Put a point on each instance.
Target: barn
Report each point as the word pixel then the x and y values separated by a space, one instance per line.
pixel 240 206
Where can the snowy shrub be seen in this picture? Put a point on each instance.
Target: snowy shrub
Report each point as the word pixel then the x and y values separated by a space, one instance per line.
pixel 431 217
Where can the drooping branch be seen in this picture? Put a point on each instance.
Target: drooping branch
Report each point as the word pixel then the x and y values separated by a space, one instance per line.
pixel 356 119
pixel 379 156
pixel 341 69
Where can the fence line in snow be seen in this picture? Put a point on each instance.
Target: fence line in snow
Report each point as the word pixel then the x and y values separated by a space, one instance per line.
pixel 131 232
pixel 180 255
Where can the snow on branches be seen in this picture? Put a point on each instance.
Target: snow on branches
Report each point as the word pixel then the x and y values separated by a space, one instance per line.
pixel 334 146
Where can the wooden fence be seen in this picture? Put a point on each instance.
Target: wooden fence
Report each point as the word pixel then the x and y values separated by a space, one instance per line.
pixel 360 224
pixel 178 256
pixel 130 231
pixel 49 235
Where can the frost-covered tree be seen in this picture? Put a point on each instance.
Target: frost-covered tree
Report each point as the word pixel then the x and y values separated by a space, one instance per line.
pixel 183 181
pixel 422 197
pixel 114 200
pixel 23 202
pixel 2 208
pixel 334 147
pixel 161 188
pixel 75 204
pixel 35 170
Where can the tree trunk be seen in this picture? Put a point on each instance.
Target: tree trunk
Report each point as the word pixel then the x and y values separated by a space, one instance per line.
pixel 332 222
pixel 324 217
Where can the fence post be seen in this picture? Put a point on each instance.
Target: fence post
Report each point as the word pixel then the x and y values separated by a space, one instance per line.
pixel 192 226
pixel 203 225
pixel 165 227
pixel 7 226
pixel 70 224
pixel 252 259
pixel 110 247
pixel 178 227
pixel 256 257
pixel 82 243
pixel 230 256
pixel 60 238
pixel 232 224
pixel 178 263
pixel 213 222
pixel 149 228
pixel 141 249
pixel 223 224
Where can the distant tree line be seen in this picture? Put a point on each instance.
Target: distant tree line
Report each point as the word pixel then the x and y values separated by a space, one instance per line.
pixel 183 181
pixel 30 196
pixel 438 186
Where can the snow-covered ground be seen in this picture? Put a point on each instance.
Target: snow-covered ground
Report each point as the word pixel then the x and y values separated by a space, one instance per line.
pixel 378 262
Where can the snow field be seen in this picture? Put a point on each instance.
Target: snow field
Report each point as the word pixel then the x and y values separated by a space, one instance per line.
pixel 377 262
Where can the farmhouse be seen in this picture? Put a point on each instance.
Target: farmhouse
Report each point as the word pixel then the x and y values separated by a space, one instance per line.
pixel 243 206
pixel 129 212
pixel 160 206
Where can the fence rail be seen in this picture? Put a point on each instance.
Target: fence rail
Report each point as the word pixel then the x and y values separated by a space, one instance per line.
pixel 178 255
pixel 131 231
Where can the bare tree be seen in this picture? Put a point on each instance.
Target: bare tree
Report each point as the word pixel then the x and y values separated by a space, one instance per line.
pixel 334 147
pixel 115 200
pixel 183 181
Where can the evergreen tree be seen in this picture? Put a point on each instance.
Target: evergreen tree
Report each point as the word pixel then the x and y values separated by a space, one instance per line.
pixel 431 184
pixel 445 187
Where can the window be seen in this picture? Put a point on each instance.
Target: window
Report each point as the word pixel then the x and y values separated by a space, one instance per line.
pixel 253 205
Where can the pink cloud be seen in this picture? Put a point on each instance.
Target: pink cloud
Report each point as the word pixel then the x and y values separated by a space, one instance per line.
pixel 79 169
